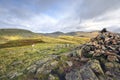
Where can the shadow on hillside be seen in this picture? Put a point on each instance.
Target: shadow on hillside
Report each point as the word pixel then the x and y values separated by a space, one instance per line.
pixel 17 43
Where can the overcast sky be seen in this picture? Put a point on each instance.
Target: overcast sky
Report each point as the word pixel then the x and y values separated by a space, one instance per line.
pixel 60 15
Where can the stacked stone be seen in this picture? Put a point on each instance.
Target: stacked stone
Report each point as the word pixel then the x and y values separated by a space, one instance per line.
pixel 100 59
pixel 106 43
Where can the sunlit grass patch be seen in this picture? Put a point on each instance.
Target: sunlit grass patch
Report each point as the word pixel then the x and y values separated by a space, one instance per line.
pixel 12 37
pixel 77 40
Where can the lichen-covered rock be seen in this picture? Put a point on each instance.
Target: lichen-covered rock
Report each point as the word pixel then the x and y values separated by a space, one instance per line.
pixel 84 73
pixel 73 75
pixel 69 63
pixel 32 69
pixel 93 70
pixel 112 70
pixel 13 74
pixel 96 67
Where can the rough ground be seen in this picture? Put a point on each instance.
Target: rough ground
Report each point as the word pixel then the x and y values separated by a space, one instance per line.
pixel 98 59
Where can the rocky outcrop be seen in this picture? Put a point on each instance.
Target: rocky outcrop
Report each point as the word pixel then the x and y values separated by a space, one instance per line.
pixel 100 58
pixel 93 70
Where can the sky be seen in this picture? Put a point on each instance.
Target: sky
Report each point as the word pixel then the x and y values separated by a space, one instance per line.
pixel 45 16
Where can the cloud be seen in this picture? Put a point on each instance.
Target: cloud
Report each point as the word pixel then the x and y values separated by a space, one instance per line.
pixel 93 8
pixel 95 15
pixel 108 19
pixel 36 23
pixel 60 15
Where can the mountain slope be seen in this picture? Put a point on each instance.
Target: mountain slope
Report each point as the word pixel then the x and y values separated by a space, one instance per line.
pixel 14 32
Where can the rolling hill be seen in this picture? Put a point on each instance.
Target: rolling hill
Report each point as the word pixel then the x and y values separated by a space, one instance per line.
pixel 20 37
pixel 28 34
pixel 18 32
pixel 15 34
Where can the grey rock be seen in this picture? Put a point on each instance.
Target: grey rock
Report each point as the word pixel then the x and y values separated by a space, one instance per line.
pixel 32 68
pixel 52 77
pixel 12 75
pixel 85 73
pixel 69 63
pixel 16 63
pixel 73 75
pixel 93 70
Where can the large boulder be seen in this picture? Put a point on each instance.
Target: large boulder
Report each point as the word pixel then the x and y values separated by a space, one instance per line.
pixel 94 70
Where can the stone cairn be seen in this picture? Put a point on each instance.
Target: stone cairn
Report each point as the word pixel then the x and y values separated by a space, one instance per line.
pixel 99 59
pixel 106 44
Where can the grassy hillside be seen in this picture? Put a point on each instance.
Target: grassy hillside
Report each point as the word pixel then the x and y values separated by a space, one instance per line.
pixel 44 39
pixel 19 49
pixel 19 37
pixel 14 32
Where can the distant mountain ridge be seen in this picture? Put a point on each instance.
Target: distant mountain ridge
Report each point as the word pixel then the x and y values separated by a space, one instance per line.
pixel 77 33
pixel 27 33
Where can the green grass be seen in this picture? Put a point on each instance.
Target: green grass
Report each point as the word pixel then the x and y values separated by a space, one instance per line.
pixel 27 55
pixel 18 55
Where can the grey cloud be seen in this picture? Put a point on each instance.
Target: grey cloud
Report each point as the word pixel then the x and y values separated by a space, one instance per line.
pixel 114 28
pixel 84 8
pixel 88 9
pixel 92 8
pixel 76 12
pixel 23 9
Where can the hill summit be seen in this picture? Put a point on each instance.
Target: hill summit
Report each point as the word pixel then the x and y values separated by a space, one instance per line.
pixel 14 32
pixel 106 44
pixel 100 58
